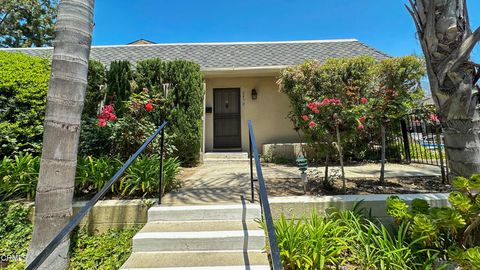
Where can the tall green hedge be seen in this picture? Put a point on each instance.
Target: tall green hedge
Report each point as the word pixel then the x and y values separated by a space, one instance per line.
pixel 119 84
pixel 96 88
pixel 185 81
pixel 23 88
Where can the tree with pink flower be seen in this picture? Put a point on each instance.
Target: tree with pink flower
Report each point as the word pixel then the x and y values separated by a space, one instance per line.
pixel 397 93
pixel 331 117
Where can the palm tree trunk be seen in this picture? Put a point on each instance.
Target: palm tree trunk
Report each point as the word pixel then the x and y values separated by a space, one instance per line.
pixel 447 41
pixel 382 169
pixel 53 201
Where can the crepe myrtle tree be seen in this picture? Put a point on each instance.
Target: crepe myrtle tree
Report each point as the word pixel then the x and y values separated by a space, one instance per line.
pixel 329 118
pixel 397 93
pixel 65 98
pixel 447 40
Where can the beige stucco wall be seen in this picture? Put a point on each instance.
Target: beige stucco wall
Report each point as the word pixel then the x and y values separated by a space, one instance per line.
pixel 268 112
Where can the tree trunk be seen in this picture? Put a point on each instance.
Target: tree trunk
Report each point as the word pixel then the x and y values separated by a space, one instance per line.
pixel 326 182
pixel 382 169
pixel 53 202
pixel 447 41
pixel 340 155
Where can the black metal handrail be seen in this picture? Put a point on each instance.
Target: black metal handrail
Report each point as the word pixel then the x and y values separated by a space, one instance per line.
pixel 265 205
pixel 42 256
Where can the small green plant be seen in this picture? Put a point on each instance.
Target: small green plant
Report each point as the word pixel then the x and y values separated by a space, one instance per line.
pixel 104 251
pixel 15 230
pixel 344 238
pixel 456 228
pixel 18 176
pixel 142 177
pixel 93 173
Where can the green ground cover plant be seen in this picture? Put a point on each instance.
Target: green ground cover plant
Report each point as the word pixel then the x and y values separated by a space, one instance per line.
pixel 453 231
pixel 105 251
pixel 19 175
pixel 348 239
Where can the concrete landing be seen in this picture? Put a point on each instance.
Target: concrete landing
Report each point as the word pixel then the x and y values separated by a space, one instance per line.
pixel 212 183
pixel 220 182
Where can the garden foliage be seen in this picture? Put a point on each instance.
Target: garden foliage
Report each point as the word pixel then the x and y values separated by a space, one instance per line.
pixel 23 89
pixel 139 105
pixel 348 239
pixel 454 231
pixel 135 94
pixel 348 80
pixel 101 251
pixel 19 175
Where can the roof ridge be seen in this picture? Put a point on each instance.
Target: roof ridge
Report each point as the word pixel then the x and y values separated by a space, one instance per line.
pixel 205 43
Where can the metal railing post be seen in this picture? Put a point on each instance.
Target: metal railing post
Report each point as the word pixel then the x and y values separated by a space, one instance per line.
pixel 265 205
pixel 160 187
pixel 251 167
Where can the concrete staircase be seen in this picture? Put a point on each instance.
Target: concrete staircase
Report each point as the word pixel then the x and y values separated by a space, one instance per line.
pixel 200 237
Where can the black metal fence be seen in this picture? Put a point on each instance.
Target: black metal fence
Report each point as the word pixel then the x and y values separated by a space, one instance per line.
pixel 417 138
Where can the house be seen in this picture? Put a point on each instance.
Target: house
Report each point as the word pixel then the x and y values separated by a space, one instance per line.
pixel 240 82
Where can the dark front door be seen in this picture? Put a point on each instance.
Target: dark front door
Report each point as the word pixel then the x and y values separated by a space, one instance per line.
pixel 226 118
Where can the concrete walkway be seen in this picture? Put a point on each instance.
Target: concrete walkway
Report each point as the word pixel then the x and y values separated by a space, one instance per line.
pixel 220 182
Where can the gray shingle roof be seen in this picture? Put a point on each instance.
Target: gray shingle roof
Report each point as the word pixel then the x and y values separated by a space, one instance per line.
pixel 213 56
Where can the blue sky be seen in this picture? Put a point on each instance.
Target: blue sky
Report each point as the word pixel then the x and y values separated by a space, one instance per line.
pixel 383 24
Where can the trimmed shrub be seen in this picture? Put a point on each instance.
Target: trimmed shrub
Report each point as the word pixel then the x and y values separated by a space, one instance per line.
pixel 96 88
pixel 185 83
pixel 119 84
pixel 23 89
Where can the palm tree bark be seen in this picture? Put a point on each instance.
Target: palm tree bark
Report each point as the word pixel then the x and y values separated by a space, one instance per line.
pixel 53 201
pixel 447 41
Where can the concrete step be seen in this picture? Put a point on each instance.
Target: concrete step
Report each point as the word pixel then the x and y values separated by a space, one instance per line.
pixel 200 226
pixel 204 212
pixel 216 157
pixel 202 260
pixel 208 195
pixel 199 240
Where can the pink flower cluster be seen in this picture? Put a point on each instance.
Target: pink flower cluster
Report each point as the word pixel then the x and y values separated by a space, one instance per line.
pixel 315 105
pixel 434 118
pixel 106 115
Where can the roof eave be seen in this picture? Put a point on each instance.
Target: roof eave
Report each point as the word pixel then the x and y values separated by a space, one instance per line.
pixel 243 71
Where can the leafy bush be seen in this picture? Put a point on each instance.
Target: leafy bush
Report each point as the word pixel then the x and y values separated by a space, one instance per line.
pixel 19 176
pixel 348 238
pixel 105 251
pixel 93 173
pixel 348 80
pixel 23 87
pixel 95 92
pixel 119 84
pixel 143 176
pixel 455 229
pixel 15 229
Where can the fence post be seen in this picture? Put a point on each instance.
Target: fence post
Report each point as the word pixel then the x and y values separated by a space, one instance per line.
pixel 406 142
pixel 439 142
